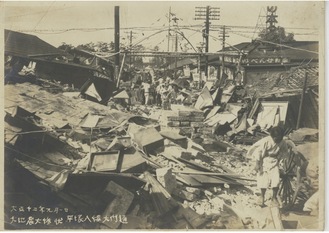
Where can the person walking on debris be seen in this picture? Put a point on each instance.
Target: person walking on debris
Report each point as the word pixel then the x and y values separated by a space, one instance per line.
pixel 267 154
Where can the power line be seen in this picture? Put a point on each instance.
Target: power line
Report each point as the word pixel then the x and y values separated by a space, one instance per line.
pixel 282 45
pixel 147 28
pixel 44 14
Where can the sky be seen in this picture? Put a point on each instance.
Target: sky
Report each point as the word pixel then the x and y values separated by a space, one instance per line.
pixel 78 23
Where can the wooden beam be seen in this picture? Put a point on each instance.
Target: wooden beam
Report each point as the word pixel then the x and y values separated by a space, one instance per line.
pixel 228 175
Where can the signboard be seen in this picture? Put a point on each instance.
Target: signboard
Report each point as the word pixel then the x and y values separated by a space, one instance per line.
pixel 261 60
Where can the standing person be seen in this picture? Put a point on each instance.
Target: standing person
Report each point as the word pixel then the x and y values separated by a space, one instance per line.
pixel 267 153
pixel 159 90
pixel 172 94
pixel 152 95
pixel 164 98
pixel 146 88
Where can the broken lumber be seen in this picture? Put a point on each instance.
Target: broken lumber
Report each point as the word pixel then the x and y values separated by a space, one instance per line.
pixel 185 118
pixel 119 205
pixel 276 217
pixel 166 178
pixel 161 198
pixel 228 175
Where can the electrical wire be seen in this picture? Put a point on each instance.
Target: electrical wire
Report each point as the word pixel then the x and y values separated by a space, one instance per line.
pixel 282 45
pixel 44 15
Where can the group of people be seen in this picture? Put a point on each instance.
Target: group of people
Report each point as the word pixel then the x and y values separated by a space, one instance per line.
pixel 159 91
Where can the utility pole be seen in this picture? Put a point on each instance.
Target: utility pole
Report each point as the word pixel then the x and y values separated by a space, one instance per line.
pixel 169 21
pixel 207 39
pixel 223 37
pixel 130 45
pixel 131 37
pixel 117 39
pixel 176 47
pixel 207 13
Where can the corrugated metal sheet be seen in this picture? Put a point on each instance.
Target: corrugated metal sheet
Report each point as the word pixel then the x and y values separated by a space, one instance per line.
pixel 25 45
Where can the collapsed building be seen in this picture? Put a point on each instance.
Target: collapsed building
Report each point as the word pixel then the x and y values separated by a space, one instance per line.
pixel 179 168
pixel 77 70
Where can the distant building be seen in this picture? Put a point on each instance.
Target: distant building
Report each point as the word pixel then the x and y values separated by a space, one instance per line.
pixel 256 60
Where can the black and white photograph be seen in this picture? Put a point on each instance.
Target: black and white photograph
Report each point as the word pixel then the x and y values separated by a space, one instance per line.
pixel 163 115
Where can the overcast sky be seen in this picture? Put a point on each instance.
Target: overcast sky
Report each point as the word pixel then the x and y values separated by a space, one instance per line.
pixel 83 22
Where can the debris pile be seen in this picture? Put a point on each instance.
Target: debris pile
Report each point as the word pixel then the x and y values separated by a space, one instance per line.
pixel 89 153
pixel 175 167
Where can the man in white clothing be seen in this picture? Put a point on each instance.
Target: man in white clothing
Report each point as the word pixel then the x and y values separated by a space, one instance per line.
pixel 267 154
pixel 146 86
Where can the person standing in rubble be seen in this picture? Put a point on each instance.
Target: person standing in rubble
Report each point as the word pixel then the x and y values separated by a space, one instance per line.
pixel 267 154
pixel 146 88
pixel 159 90
pixel 173 93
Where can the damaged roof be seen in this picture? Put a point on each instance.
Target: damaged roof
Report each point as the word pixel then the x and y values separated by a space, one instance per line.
pixel 288 80
pixel 25 45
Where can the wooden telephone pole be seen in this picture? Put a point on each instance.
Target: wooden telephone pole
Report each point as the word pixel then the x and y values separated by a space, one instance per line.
pixel 117 39
pixel 207 13
pixel 223 37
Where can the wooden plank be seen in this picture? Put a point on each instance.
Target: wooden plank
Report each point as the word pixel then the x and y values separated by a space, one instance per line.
pixel 188 180
pixel 276 217
pixel 194 164
pixel 119 205
pixel 183 118
pixel 172 135
pixel 209 180
pixel 162 200
pixel 226 175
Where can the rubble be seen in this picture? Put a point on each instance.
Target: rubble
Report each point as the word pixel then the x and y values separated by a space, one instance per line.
pixel 180 168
